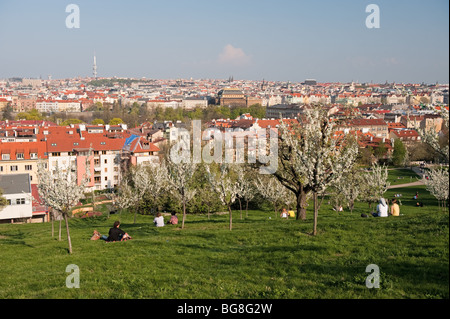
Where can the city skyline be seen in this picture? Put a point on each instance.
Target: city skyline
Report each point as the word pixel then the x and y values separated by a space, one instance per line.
pixel 252 40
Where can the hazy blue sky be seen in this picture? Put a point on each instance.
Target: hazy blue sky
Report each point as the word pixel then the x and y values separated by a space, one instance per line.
pixel 283 40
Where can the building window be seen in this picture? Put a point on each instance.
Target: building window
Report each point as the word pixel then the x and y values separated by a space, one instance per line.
pixel 20 201
pixel 56 154
pixel 28 167
pixel 33 155
pixel 19 156
pixel 5 157
pixel 106 161
pixel 14 168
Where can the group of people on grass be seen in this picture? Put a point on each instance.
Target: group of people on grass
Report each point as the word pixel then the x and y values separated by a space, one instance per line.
pixel 117 234
pixel 286 214
pixel 159 220
pixel 383 209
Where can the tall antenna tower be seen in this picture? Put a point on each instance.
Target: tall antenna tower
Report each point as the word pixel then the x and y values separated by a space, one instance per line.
pixel 94 68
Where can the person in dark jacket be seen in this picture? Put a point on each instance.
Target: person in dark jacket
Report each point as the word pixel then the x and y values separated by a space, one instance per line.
pixel 116 234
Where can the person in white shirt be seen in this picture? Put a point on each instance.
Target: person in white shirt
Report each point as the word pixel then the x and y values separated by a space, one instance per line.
pixel 382 209
pixel 159 220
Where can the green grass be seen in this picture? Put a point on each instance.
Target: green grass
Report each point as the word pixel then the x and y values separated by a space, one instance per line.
pixel 397 176
pixel 261 257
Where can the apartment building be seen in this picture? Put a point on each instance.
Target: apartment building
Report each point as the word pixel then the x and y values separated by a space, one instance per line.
pixel 102 151
pixel 47 106
pixel 377 127
pixel 91 153
pixel 21 158
pixel 17 191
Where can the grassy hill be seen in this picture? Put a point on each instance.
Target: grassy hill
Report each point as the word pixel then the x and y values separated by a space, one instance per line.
pixel 262 257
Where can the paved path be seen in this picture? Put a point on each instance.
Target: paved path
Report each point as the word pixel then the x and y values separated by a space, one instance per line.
pixel 406 185
pixel 417 183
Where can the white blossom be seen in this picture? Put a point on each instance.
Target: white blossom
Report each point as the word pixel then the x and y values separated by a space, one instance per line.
pixel 431 137
pixel 312 157
pixel 273 191
pixel 375 183
pixel 60 190
pixel 179 177
pixel 438 183
pixel 224 185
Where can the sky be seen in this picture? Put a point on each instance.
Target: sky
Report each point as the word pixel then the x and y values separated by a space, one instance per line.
pixel 283 40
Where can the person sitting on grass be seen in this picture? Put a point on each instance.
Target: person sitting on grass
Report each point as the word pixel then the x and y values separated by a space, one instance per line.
pixel 173 219
pixel 115 234
pixel 284 213
pixel 382 209
pixel 159 220
pixel 395 209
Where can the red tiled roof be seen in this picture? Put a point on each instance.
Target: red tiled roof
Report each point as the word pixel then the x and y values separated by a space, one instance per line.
pixel 25 148
pixel 405 133
pixel 361 122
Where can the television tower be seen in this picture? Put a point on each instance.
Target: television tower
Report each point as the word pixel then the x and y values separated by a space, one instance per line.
pixel 94 68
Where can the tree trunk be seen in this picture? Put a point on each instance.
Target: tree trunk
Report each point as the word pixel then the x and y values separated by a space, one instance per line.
pixel 68 234
pixel 301 205
pixel 316 213
pixel 246 209
pixel 184 214
pixel 240 206
pixel 351 206
pixel 52 216
pixel 231 217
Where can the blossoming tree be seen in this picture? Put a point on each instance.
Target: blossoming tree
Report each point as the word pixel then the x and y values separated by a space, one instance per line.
pixel 60 190
pixel 311 157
